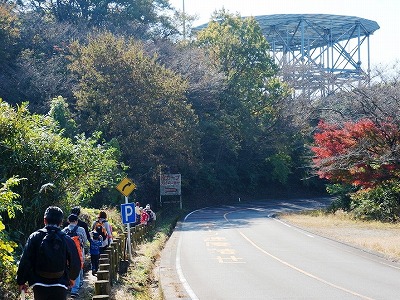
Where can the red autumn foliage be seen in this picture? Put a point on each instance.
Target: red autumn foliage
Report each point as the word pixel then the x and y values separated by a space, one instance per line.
pixel 362 153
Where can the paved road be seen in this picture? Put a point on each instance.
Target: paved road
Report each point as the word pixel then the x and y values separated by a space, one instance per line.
pixel 243 252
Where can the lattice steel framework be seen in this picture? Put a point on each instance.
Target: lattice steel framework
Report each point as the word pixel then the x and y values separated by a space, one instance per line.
pixel 319 53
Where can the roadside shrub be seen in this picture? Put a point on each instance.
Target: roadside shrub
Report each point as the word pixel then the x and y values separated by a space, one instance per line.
pixel 341 193
pixel 8 267
pixel 380 203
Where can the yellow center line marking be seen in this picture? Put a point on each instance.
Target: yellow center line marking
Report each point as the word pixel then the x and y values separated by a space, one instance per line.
pixel 302 271
pixel 217 244
pixel 214 239
pixel 230 260
pixel 223 251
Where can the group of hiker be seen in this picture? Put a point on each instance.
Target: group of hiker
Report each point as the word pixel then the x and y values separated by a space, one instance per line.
pixel 53 258
pixel 145 215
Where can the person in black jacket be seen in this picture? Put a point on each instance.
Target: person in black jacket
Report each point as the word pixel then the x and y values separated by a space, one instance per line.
pixel 48 285
pixel 77 211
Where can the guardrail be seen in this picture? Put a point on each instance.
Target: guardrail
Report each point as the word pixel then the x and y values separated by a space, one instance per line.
pixel 113 263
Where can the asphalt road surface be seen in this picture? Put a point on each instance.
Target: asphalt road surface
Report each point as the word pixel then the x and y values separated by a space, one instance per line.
pixel 244 252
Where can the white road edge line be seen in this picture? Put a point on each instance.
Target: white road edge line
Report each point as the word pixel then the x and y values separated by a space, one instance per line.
pixel 294 228
pixel 178 267
pixel 182 278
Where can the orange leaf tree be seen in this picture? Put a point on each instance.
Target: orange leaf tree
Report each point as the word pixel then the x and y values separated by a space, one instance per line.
pixel 363 153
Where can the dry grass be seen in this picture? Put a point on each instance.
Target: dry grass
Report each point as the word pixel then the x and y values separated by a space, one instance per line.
pixel 140 283
pixel 383 238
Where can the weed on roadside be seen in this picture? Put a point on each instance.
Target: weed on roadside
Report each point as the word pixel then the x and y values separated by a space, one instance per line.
pixel 380 237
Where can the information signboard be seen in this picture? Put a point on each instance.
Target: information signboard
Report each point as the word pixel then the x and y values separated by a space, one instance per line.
pixel 170 184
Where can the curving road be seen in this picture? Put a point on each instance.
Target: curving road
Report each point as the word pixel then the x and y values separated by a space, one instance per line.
pixel 243 252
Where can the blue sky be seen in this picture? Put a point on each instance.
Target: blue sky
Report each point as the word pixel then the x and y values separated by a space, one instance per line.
pixel 384 43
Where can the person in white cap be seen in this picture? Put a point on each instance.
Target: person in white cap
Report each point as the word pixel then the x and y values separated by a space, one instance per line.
pixel 152 215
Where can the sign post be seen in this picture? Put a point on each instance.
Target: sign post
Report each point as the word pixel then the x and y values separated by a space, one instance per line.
pixel 170 185
pixel 126 187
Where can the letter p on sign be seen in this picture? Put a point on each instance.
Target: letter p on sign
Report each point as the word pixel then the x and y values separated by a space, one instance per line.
pixel 128 213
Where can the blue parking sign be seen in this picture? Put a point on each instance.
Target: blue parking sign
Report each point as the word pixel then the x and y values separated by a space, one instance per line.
pixel 128 213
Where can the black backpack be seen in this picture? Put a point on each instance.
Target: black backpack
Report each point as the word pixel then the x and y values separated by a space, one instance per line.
pixel 150 213
pixel 51 257
pixel 73 233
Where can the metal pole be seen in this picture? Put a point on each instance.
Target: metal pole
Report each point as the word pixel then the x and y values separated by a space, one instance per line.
pixel 369 63
pixel 302 40
pixel 128 228
pixel 359 45
pixel 184 20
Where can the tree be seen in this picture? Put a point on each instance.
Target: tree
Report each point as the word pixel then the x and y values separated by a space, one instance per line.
pixel 126 94
pixel 356 146
pixel 9 48
pixel 361 153
pixel 105 14
pixel 60 112
pixel 240 50
pixel 37 71
pixel 58 170
pixel 251 109
pixel 358 142
pixel 9 32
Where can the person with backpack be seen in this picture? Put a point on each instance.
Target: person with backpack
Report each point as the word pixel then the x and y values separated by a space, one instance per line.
pixel 102 226
pixel 138 213
pixel 78 235
pixel 144 216
pixel 50 261
pixel 150 212
pixel 77 211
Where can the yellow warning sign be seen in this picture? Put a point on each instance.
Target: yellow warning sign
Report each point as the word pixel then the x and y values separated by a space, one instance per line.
pixel 126 186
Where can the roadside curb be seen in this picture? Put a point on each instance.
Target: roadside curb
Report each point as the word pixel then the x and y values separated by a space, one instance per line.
pixel 171 287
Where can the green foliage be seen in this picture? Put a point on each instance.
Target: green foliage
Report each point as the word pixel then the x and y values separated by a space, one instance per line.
pixel 127 95
pixel 240 50
pixel 59 112
pixel 215 113
pixel 380 203
pixel 281 163
pixel 8 197
pixel 8 267
pixel 342 193
pixel 246 134
pixel 58 171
